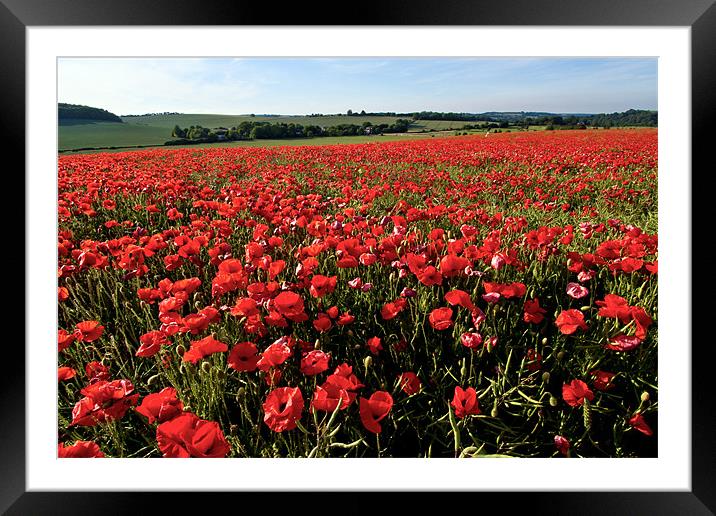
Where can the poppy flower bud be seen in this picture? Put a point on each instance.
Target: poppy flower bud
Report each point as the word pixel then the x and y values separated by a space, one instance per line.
pixel 584 308
pixel 182 370
pixel 553 401
pixel 181 350
pixel 240 393
pixel 644 397
pixel 206 367
pixel 493 412
pixel 463 368
pixel 545 377
pixel 545 341
pixel 197 305
pixel 317 344
pixel 152 380
pixel 560 355
pixel 368 361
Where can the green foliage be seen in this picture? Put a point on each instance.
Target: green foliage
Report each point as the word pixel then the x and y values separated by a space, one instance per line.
pixel 76 111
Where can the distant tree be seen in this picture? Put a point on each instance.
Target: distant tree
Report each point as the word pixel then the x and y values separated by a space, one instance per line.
pixel 349 112
pixel 178 132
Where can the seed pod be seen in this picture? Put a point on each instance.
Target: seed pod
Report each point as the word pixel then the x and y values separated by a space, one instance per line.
pixel 493 412
pixel 206 367
pixel 181 350
pixel 644 397
pixel 240 394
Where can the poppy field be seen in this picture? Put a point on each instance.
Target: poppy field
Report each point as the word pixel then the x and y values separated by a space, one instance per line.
pixel 477 296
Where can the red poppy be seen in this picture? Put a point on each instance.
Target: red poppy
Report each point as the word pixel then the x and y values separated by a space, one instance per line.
pixel 507 291
pixel 322 323
pixel 623 343
pixel 315 362
pixel 575 392
pixel 88 331
pixel 290 305
pixel 274 355
pixel 615 307
pixel 65 373
pixel 103 401
pixel 441 318
pixel 243 357
pixel 375 409
pixel 62 294
pixel 96 371
pixel 334 391
pixel 282 408
pixel 562 444
pixel 64 339
pixel 322 285
pixel 202 348
pixel 451 265
pixel 568 321
pixel 642 320
pixel 375 345
pixel 460 298
pixel 471 340
pixel 391 310
pixel 465 402
pixel 576 291
pixel 409 383
pixel 638 422
pixel 188 436
pixel 430 276
pixel 79 450
pixel 534 313
pixel 603 380
pixel 152 343
pixel 161 406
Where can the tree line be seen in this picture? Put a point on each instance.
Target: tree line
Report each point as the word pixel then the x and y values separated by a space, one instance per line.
pixel 249 130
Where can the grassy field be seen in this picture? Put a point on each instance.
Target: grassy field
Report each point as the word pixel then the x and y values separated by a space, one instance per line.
pixel 156 129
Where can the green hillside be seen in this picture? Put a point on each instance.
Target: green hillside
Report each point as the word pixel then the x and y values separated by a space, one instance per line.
pixel 73 112
pixel 156 129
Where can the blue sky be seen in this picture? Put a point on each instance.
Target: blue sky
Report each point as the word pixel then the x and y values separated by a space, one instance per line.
pixel 334 85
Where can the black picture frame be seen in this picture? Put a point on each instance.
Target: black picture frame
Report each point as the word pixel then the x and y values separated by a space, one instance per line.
pixel 700 15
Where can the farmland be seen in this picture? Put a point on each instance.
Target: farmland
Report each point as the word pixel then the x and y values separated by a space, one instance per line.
pixel 468 296
pixel 156 129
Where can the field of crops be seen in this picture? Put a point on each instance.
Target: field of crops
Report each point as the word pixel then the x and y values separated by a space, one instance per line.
pixel 156 129
pixel 461 297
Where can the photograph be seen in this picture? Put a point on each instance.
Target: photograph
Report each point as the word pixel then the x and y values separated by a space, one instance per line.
pixel 358 257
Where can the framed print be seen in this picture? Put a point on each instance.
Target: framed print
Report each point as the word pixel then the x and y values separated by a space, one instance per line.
pixel 339 289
